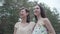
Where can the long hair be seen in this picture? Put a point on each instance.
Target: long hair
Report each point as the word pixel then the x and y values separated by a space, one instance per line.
pixel 28 16
pixel 43 15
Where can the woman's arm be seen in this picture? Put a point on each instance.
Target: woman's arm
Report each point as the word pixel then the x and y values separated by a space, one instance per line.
pixel 15 29
pixel 49 26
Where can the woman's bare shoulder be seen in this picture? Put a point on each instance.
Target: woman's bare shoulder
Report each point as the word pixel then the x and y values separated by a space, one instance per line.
pixel 17 23
pixel 45 19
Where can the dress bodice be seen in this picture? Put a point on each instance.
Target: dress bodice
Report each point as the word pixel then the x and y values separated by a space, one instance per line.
pixel 24 30
pixel 40 28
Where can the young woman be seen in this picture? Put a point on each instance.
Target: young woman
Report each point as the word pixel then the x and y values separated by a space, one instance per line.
pixel 25 26
pixel 43 25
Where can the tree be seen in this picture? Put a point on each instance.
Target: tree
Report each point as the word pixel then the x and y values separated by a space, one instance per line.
pixel 9 14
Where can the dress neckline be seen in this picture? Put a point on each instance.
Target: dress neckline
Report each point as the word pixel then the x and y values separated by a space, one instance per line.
pixel 24 27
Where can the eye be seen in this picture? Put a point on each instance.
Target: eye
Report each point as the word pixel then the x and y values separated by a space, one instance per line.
pixel 37 8
pixel 22 11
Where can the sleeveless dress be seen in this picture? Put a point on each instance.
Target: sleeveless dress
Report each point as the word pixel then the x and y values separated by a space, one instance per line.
pixel 24 30
pixel 40 29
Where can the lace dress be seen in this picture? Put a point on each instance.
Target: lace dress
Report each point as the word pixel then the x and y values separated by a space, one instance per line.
pixel 24 30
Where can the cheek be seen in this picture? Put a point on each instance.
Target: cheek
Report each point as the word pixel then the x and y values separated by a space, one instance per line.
pixel 37 12
pixel 22 14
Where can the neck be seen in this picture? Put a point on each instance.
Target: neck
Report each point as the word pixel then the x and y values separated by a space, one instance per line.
pixel 39 17
pixel 23 20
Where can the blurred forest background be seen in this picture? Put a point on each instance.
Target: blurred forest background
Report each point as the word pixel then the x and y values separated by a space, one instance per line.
pixel 9 14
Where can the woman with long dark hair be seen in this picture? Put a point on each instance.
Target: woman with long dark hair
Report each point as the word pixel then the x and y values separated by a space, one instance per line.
pixel 25 26
pixel 43 25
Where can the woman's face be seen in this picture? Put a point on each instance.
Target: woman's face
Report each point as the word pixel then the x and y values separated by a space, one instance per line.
pixel 23 13
pixel 37 10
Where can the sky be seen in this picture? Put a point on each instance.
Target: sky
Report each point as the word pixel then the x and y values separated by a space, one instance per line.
pixel 1 4
pixel 50 3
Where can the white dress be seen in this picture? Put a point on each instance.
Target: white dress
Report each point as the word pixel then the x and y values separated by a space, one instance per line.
pixel 40 29
pixel 24 30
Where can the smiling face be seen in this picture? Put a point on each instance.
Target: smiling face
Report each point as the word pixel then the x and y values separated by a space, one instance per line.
pixel 37 10
pixel 23 13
